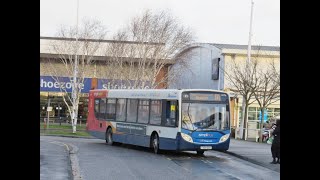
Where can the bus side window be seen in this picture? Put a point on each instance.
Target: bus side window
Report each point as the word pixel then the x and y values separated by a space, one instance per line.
pixel 111 109
pixel 143 111
pixel 155 112
pixel 171 110
pixel 121 110
pixel 102 109
pixel 96 107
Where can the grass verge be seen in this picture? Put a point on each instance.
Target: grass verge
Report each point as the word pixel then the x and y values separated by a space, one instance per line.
pixel 63 129
pixel 63 126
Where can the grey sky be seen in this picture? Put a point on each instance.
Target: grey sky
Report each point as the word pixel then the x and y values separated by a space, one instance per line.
pixel 213 21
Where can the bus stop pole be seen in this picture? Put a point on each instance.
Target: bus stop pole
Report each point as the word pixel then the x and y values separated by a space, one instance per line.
pixel 48 113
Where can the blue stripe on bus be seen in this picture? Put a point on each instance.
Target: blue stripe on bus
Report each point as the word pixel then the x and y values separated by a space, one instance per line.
pixel 205 138
pixel 167 143
pixel 143 140
pixel 97 134
pixel 185 145
pixel 139 140
pixel 164 143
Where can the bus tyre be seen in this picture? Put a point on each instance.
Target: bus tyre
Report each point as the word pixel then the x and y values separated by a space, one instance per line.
pixel 109 139
pixel 155 143
pixel 200 152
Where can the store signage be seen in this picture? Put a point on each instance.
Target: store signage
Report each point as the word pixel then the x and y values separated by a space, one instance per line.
pixel 49 84
pixel 49 108
pixel 121 84
pixel 62 84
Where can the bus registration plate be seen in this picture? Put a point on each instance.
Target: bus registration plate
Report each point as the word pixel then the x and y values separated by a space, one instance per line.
pixel 205 147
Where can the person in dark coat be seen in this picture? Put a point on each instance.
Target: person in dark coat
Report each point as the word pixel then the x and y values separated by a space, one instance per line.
pixel 275 147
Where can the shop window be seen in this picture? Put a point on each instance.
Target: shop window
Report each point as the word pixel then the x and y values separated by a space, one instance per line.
pixel 252 116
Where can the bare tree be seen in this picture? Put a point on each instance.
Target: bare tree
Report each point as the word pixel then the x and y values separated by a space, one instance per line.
pixel 267 89
pixel 257 81
pixel 241 79
pixel 68 50
pixel 143 50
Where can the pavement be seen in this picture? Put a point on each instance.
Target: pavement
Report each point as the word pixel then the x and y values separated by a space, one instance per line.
pixel 254 152
pixel 54 161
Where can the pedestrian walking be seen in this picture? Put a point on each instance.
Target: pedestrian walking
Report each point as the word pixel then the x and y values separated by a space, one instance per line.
pixel 275 147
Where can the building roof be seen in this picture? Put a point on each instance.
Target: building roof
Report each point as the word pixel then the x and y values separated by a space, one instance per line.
pixel 47 49
pixel 98 40
pixel 47 46
pixel 255 47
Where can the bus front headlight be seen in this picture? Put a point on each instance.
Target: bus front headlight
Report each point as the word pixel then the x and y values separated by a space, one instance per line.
pixel 186 137
pixel 224 138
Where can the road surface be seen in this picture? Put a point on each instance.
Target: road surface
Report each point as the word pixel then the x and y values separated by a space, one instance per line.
pixel 100 161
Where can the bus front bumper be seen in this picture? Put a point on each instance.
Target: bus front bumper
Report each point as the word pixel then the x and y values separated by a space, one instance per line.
pixel 184 145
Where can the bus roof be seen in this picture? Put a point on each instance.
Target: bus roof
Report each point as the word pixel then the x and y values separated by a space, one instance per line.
pixel 147 93
pixel 157 90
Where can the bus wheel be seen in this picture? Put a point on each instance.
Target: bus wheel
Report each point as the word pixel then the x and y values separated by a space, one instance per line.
pixel 109 136
pixel 155 143
pixel 200 152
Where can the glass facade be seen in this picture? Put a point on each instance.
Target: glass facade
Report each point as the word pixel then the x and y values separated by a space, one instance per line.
pixel 254 113
pixel 59 108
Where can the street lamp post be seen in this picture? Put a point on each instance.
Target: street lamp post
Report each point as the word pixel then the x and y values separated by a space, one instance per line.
pixel 59 108
pixel 218 74
pixel 244 125
pixel 75 84
pixel 48 112
pixel 250 35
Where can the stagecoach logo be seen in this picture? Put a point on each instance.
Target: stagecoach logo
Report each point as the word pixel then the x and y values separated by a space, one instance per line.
pixel 205 135
pixel 172 95
pixel 97 94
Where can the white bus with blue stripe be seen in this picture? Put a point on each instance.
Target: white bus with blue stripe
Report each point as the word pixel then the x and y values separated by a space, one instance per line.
pixel 162 119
